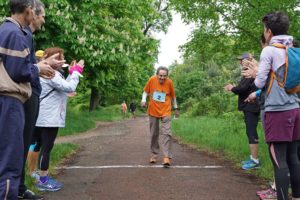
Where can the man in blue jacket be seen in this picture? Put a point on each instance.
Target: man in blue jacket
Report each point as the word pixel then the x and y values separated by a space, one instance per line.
pixel 16 73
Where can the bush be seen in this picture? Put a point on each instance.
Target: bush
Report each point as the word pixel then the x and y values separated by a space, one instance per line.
pixel 214 105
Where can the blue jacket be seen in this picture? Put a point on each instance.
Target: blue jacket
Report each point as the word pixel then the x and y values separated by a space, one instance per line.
pixel 16 69
pixel 35 83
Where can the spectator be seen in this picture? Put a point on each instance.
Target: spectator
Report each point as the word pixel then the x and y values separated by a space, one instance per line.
pixel 31 106
pixel 39 55
pixel 52 114
pixel 259 96
pixel 251 114
pixel 282 112
pixel 16 73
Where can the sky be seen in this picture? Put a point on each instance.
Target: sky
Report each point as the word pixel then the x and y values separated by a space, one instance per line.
pixel 177 35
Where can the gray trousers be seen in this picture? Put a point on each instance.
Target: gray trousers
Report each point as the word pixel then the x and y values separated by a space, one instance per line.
pixel 166 135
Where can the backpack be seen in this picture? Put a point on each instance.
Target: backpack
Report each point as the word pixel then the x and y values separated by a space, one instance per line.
pixel 290 80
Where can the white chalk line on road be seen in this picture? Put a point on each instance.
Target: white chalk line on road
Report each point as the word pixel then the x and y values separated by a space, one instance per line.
pixel 138 166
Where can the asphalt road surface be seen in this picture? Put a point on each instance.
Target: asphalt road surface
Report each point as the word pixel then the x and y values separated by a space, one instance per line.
pixel 113 164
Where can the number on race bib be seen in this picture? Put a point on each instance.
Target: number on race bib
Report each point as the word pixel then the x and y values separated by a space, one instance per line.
pixel 159 96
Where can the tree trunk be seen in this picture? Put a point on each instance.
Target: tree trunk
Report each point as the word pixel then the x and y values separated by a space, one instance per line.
pixel 95 99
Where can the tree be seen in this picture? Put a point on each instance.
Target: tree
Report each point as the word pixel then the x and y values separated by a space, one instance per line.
pixel 240 20
pixel 110 36
pixel 224 29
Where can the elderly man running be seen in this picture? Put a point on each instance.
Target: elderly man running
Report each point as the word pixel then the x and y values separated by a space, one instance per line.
pixel 161 91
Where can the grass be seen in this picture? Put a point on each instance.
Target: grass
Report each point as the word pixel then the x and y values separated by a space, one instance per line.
pixel 80 121
pixel 77 122
pixel 59 154
pixel 223 136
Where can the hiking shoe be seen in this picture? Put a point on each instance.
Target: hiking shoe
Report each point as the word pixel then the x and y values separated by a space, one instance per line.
pixel 28 194
pixel 55 182
pixel 166 162
pixel 251 165
pixel 272 185
pixel 47 186
pixel 152 160
pixel 268 195
pixel 246 161
pixel 35 175
pixel 260 192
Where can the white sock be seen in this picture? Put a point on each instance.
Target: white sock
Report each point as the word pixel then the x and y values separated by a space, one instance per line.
pixel 255 160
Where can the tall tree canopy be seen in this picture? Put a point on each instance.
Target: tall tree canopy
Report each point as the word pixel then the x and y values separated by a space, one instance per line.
pixel 223 30
pixel 231 27
pixel 112 36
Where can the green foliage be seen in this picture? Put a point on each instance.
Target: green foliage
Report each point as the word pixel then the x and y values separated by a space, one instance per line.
pixel 199 87
pixel 60 152
pixel 80 120
pixel 218 21
pixel 223 30
pixel 217 104
pixel 225 136
pixel 110 36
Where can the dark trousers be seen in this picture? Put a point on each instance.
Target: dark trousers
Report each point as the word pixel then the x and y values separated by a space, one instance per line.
pixel 47 136
pixel 11 146
pixel 285 159
pixel 31 108
pixel 251 121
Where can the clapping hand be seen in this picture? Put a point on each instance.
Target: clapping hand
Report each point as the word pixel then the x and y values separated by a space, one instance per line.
pixel 228 87
pixel 251 97
pixel 250 68
pixel 46 71
pixel 53 61
pixel 81 63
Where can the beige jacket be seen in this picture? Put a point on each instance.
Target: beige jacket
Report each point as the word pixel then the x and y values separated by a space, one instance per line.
pixel 8 87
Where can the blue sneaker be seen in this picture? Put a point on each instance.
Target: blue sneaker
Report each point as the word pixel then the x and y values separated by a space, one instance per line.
pixel 35 175
pixel 246 161
pixel 251 165
pixel 47 186
pixel 55 182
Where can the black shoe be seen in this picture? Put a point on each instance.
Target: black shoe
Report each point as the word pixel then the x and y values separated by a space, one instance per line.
pixel 28 194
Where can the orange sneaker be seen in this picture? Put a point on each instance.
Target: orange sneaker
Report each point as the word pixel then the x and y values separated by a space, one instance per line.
pixel 166 162
pixel 152 159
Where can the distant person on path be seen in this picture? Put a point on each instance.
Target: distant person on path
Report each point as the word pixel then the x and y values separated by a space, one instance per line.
pixel 124 108
pixel 282 112
pixel 132 108
pixel 251 112
pixel 162 95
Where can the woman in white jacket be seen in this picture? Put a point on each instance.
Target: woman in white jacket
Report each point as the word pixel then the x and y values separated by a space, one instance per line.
pixel 52 113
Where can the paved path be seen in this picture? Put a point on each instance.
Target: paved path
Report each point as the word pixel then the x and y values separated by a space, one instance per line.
pixel 113 165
